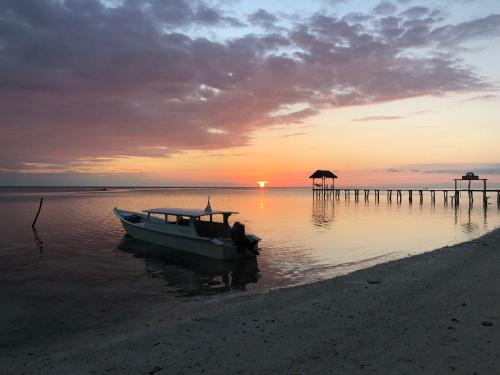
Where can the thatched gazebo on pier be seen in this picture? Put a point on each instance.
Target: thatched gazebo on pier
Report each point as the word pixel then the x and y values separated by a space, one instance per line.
pixel 323 175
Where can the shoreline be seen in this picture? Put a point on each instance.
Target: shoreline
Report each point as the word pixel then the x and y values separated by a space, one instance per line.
pixel 435 312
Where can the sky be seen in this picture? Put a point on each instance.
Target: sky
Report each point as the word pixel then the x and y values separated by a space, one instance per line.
pixel 227 93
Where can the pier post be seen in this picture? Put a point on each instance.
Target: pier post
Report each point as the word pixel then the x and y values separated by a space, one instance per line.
pixel 485 198
pixel 457 195
pixel 471 197
pixel 334 193
pixel 347 194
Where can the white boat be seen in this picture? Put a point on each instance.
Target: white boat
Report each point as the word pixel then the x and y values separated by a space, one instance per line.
pixel 194 231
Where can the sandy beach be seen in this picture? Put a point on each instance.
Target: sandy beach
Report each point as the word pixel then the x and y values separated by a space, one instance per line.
pixel 433 313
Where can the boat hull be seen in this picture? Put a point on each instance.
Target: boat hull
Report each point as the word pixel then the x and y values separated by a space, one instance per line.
pixel 200 246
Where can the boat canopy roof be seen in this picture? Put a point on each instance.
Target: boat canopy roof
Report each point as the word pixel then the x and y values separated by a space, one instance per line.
pixel 187 212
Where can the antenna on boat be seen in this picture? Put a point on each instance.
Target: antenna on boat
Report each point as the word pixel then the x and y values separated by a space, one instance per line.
pixel 208 208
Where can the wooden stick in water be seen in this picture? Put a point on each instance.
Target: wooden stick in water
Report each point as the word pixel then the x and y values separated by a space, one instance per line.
pixel 38 213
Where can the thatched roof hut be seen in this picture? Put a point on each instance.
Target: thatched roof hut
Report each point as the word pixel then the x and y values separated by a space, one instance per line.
pixel 323 175
pixel 320 173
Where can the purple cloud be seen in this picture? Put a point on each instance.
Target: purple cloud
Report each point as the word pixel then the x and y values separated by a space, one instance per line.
pixel 481 98
pixel 263 18
pixel 81 79
pixel 385 8
pixel 377 118
pixel 479 28
pixel 417 12
pixel 294 134
pixel 449 168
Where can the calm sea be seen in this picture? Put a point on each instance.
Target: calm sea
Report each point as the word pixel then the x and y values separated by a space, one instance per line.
pixel 80 260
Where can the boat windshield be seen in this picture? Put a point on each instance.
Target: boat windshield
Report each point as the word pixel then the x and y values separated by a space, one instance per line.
pixel 209 225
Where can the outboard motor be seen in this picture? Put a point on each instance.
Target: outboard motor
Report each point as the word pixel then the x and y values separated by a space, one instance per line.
pixel 238 236
pixel 251 244
pixel 241 240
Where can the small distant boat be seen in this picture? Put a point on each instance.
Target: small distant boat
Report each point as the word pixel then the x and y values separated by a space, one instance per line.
pixel 191 230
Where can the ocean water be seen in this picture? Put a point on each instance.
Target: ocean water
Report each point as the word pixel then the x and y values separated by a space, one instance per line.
pixel 79 265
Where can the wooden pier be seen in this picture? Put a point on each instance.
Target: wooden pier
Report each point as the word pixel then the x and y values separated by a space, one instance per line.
pixel 453 198
pixel 325 189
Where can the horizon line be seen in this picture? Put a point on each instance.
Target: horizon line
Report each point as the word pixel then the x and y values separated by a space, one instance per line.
pixel 360 187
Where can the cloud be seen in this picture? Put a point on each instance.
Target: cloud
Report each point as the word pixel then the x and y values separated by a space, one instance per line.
pixel 480 98
pixel 447 35
pixel 263 18
pixel 389 118
pixel 293 134
pixel 385 8
pixel 416 12
pixel 494 170
pixel 174 13
pixel 121 178
pixel 377 118
pixel 225 155
pixel 457 169
pixel 144 78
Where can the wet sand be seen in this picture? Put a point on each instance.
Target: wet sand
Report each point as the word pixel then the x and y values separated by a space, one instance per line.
pixel 434 313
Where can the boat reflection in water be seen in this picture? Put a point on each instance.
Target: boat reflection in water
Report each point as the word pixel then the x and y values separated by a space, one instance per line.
pixel 191 274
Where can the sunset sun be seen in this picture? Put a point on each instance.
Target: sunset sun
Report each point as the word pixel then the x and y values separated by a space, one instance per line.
pixel 262 183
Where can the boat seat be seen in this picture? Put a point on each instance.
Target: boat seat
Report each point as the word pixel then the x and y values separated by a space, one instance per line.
pixel 184 222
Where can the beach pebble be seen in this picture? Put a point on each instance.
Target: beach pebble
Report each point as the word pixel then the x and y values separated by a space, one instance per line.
pixel 486 323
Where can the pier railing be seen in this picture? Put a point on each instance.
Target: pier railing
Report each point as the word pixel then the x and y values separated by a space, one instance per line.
pixel 452 195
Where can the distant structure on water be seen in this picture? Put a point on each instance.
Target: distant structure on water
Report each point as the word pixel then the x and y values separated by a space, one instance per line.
pixel 470 176
pixel 324 189
pixel 324 176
